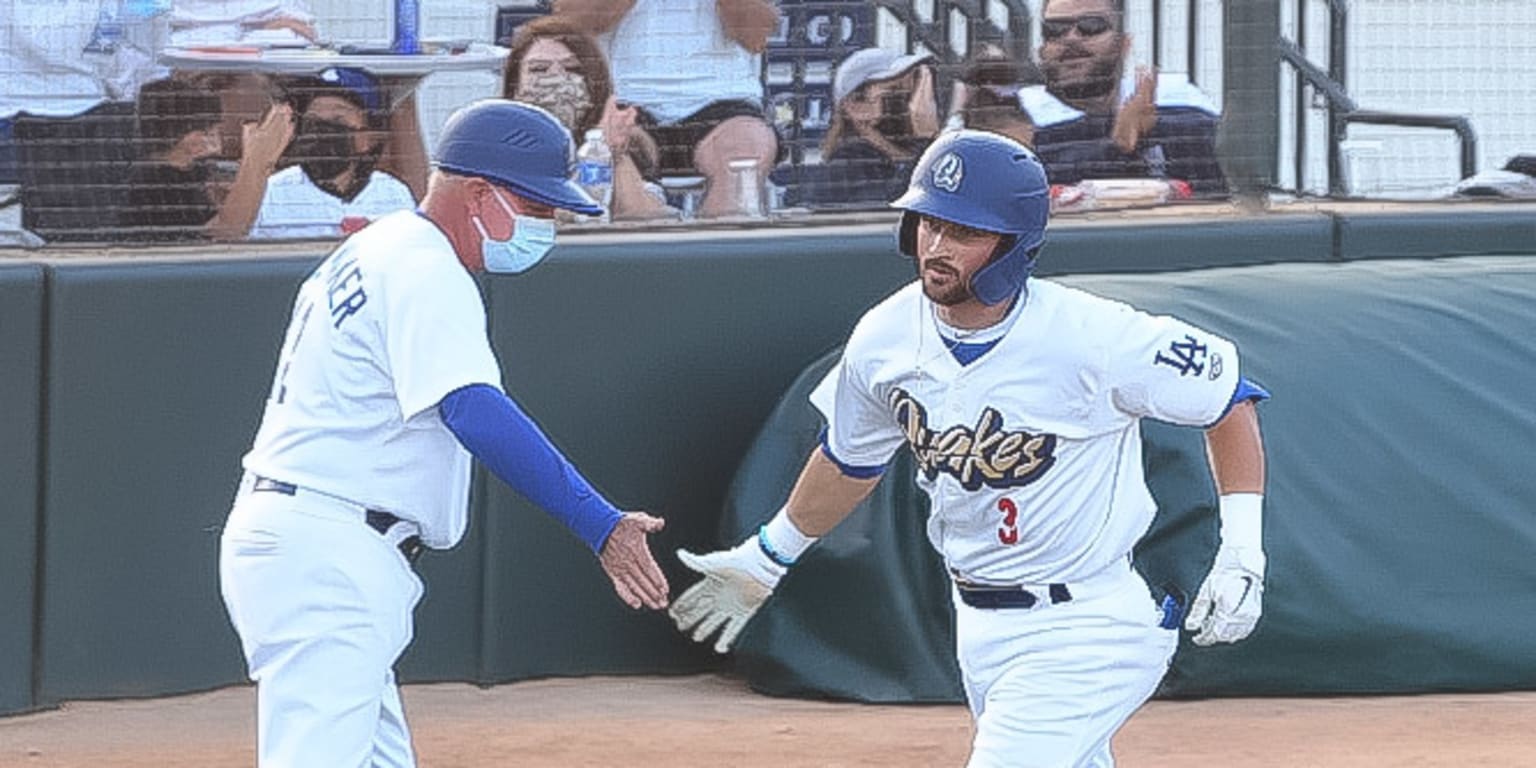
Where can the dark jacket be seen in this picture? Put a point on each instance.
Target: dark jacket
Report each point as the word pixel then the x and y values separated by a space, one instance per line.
pixel 1075 146
pixel 855 175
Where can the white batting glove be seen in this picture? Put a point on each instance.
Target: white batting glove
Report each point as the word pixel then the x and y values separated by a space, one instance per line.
pixel 1231 599
pixel 736 583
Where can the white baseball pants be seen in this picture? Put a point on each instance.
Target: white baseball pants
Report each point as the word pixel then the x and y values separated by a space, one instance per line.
pixel 1050 685
pixel 322 604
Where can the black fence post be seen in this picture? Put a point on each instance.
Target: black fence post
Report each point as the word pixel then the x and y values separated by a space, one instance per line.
pixel 1249 141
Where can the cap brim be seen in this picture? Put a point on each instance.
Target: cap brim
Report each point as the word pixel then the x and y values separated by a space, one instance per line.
pixel 896 68
pixel 567 196
pixel 915 199
pixel 901 64
pixel 574 198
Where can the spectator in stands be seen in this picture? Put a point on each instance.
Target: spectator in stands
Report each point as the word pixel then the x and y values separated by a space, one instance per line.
pixel 172 194
pixel 67 84
pixel 44 69
pixel 693 67
pixel 884 117
pixel 991 100
pixel 332 187
pixel 1095 121
pixel 554 65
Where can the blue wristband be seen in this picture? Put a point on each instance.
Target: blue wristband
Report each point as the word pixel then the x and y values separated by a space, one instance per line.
pixel 762 541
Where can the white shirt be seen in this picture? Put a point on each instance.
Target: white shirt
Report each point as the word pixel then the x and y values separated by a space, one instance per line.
pixel 293 207
pixel 384 328
pixel 222 22
pixel 1031 454
pixel 44 68
pixel 1173 91
pixel 673 58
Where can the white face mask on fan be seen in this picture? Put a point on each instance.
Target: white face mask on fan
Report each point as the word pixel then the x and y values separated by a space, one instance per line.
pixel 532 238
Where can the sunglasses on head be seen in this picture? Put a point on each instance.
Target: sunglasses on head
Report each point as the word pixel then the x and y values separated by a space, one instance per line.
pixel 1087 26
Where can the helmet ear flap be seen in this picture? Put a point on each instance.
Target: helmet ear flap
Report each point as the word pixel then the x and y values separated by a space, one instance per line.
pixel 906 235
pixel 1004 277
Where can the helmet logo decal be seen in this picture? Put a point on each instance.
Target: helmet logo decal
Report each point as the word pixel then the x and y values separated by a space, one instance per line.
pixel 948 172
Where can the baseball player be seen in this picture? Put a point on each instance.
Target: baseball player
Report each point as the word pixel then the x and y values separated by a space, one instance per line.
pixel 385 387
pixel 1020 401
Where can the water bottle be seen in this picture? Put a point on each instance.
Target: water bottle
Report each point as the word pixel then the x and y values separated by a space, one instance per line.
pixel 145 9
pixel 407 27
pixel 594 170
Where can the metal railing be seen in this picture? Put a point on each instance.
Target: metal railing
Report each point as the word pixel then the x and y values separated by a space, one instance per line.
pixel 1191 38
pixel 1342 110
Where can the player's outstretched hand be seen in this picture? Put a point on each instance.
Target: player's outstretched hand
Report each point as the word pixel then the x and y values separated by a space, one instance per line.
pixel 736 583
pixel 626 557
pixel 1231 599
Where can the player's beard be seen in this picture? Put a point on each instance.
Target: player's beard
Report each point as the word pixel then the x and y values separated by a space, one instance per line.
pixel 1102 77
pixel 951 292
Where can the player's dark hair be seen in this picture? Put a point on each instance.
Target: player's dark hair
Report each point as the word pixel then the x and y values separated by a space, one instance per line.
pixel 168 110
pixel 992 88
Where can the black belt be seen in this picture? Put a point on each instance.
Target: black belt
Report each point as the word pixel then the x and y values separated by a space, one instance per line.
pixel 988 597
pixel 379 520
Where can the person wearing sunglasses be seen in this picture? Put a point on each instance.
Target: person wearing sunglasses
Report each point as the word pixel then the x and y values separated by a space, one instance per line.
pixel 1095 120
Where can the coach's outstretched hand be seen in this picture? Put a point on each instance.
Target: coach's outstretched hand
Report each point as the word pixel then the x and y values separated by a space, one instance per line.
pixel 736 583
pixel 626 557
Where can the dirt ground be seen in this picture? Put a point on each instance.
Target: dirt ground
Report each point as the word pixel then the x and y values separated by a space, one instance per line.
pixel 713 722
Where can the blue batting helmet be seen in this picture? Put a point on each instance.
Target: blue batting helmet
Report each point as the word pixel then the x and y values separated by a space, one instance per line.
pixel 984 181
pixel 517 146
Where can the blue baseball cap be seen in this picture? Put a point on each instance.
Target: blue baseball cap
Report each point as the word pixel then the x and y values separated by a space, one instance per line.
pixel 365 87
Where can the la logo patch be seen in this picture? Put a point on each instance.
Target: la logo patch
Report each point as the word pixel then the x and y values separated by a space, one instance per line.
pixel 948 172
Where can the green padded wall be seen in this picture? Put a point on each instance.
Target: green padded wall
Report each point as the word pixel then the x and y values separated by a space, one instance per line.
pixel 157 374
pixel 652 372
pixel 1079 246
pixel 21 333
pixel 1437 231
pixel 1398 519
pixel 652 358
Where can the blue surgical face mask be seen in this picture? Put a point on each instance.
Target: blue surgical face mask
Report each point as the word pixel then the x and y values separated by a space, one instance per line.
pixel 531 241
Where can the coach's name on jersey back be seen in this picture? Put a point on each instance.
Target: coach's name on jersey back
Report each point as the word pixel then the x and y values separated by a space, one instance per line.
pixel 344 287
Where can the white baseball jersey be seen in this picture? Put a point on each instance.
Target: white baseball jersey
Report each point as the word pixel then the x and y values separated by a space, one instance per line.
pixel 294 208
pixel 383 329
pixel 1031 454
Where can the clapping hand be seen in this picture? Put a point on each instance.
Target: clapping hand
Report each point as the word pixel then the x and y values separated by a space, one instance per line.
pixel 1138 115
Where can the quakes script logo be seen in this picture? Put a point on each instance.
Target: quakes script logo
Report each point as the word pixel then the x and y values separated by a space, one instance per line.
pixel 984 455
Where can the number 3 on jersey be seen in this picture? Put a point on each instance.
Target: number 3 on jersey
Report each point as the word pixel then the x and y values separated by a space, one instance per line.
pixel 1008 533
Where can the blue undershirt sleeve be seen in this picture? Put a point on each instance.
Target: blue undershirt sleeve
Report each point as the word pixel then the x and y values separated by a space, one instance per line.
pixel 497 432
pixel 1246 390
